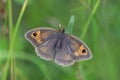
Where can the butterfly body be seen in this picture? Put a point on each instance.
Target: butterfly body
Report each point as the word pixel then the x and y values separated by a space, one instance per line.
pixel 55 45
pixel 58 43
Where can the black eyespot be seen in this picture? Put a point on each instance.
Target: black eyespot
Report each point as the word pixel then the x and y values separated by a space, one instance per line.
pixel 83 50
pixel 34 34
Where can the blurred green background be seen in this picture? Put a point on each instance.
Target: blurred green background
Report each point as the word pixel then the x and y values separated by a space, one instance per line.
pixel 97 23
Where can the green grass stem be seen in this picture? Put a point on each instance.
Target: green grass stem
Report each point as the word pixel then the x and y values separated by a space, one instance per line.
pixel 12 39
pixel 19 19
pixel 24 56
pixel 9 8
pixel 70 24
pixel 89 19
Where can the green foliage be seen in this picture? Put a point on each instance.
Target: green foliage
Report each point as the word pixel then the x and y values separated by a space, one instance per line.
pixel 96 22
pixel 70 24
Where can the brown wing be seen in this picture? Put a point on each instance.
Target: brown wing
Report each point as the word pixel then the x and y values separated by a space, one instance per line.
pixel 43 39
pixel 79 48
pixel 38 35
pixel 72 50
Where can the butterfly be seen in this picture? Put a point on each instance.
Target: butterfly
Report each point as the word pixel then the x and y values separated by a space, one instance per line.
pixel 56 45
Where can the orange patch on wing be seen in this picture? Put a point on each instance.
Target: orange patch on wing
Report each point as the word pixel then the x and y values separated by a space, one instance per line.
pixel 75 44
pixel 44 34
pixel 44 49
pixel 81 51
pixel 36 36
pixel 67 57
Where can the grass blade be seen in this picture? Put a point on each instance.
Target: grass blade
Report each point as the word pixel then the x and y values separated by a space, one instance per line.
pixel 89 19
pixel 70 24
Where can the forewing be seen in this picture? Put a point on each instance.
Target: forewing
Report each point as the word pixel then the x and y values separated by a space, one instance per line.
pixel 79 48
pixel 38 35
pixel 63 56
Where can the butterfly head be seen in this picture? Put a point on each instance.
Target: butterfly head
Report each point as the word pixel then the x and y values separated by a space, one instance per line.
pixel 61 29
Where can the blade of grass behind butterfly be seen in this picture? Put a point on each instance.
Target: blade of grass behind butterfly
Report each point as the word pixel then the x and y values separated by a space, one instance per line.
pixel 9 58
pixel 16 30
pixel 21 55
pixel 18 24
pixel 3 39
pixel 12 38
pixel 42 67
pixel 20 74
pixel 19 19
pixel 70 25
pixel 95 31
pixel 89 19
